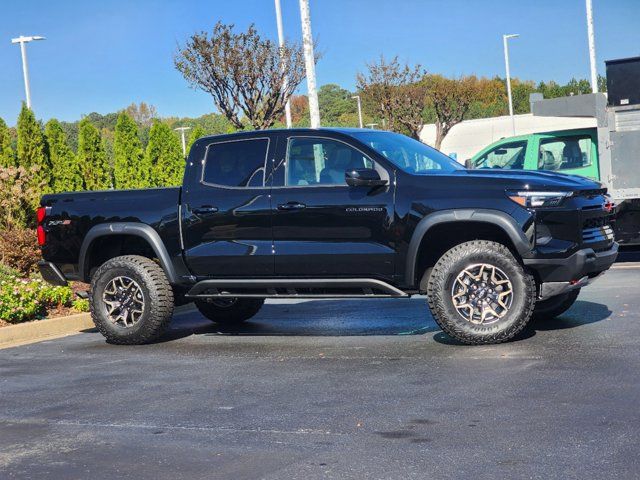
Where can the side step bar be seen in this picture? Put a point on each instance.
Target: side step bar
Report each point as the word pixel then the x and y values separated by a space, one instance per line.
pixel 295 288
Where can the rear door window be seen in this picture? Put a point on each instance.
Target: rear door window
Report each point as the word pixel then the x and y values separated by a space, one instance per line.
pixel 507 155
pixel 236 163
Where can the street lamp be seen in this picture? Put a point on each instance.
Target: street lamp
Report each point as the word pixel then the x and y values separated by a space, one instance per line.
pixel 184 143
pixel 22 40
pixel 285 79
pixel 506 63
pixel 357 97
pixel 592 48
pixel 310 63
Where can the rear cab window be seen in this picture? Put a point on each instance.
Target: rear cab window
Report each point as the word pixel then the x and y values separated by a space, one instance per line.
pixel 565 153
pixel 236 163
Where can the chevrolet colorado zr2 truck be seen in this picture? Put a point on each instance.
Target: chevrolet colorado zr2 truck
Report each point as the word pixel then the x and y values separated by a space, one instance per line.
pixel 333 213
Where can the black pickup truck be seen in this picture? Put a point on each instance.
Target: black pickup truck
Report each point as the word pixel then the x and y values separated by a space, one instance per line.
pixel 331 213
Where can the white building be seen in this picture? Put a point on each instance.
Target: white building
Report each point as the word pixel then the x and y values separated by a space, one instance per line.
pixel 470 136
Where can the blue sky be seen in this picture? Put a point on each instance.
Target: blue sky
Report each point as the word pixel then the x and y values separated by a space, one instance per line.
pixel 103 55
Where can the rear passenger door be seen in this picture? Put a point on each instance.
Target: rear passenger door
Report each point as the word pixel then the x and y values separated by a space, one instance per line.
pixel 226 210
pixel 321 226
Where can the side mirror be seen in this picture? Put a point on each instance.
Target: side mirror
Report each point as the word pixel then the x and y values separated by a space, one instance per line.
pixel 363 177
pixel 468 163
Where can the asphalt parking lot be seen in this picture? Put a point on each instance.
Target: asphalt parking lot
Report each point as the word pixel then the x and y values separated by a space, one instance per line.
pixel 334 389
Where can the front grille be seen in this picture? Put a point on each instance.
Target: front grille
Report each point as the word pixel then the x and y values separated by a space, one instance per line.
pixel 597 234
pixel 590 193
pixel 596 222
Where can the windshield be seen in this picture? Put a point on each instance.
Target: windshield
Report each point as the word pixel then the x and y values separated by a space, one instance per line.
pixel 408 154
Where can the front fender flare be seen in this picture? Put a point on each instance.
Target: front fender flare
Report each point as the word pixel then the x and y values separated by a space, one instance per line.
pixel 128 228
pixel 498 218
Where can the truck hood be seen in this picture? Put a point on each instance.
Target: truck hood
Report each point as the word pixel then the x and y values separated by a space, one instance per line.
pixel 531 180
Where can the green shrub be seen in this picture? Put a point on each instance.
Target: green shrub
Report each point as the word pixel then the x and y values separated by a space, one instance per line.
pixel 8 273
pixel 22 300
pixel 80 305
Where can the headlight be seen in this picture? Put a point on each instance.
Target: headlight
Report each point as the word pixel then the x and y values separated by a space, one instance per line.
pixel 538 199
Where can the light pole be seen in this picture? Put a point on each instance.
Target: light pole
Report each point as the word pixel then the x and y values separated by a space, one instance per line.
pixel 592 48
pixel 22 40
pixel 357 97
pixel 505 38
pixel 184 142
pixel 310 63
pixel 285 79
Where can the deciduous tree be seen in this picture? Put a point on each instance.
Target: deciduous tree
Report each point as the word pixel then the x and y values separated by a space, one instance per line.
pixel 449 99
pixel 242 72
pixel 65 171
pixel 395 93
pixel 130 166
pixel 92 158
pixel 142 113
pixel 164 154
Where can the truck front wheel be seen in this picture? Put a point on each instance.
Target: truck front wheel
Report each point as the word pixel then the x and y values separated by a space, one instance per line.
pixel 479 293
pixel 227 311
pixel 131 300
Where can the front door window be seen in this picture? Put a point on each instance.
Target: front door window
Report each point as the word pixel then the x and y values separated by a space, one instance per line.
pixel 321 161
pixel 508 155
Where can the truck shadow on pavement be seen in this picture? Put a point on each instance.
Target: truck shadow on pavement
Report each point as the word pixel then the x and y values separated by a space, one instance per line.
pixel 580 314
pixel 328 318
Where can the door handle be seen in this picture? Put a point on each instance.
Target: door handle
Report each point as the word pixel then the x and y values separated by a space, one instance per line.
pixel 205 210
pixel 291 206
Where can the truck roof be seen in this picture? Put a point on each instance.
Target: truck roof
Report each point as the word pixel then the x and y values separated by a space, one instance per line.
pixel 342 130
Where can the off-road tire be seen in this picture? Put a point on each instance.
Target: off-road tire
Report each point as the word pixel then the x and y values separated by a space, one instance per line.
pixel 243 309
pixel 157 293
pixel 443 276
pixel 555 306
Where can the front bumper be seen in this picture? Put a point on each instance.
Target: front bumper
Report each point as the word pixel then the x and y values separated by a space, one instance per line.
pixel 560 275
pixel 52 274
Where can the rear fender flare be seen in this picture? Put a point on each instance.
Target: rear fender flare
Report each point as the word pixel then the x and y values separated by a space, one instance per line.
pixel 141 230
pixel 498 218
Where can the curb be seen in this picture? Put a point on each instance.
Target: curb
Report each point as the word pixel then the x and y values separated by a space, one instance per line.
pixel 40 330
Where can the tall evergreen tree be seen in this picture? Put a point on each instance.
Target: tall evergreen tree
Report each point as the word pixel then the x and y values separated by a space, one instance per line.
pixel 92 157
pixel 7 155
pixel 65 171
pixel 197 132
pixel 164 154
pixel 131 169
pixel 32 151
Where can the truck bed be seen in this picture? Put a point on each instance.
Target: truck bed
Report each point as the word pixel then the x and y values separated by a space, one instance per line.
pixel 71 215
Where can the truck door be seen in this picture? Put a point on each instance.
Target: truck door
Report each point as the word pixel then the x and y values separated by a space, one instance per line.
pixel 226 209
pixel 322 227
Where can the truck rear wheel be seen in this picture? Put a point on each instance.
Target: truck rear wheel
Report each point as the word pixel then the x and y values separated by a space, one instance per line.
pixel 131 300
pixel 554 306
pixel 227 311
pixel 479 293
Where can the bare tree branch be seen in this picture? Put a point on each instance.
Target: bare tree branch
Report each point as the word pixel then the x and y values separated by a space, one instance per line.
pixel 243 73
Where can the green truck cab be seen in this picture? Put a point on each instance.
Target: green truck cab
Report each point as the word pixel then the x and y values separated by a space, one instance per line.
pixel 574 152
